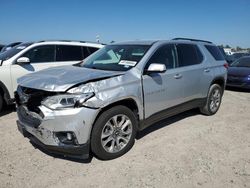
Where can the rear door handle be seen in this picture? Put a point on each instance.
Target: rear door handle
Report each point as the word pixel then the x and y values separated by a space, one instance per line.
pixel 207 70
pixel 177 76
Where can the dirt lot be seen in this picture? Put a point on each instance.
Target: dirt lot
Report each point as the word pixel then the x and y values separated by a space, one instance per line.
pixel 188 150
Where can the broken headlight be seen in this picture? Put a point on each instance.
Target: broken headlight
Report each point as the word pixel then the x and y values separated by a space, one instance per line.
pixel 66 101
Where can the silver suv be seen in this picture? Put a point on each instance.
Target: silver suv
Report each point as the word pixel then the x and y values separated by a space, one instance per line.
pixel 99 105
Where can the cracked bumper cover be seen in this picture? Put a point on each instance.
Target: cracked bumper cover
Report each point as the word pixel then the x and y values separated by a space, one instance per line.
pixel 77 120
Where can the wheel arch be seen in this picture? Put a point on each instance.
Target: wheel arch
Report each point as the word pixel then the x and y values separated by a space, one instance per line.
pixel 220 81
pixel 128 102
pixel 4 92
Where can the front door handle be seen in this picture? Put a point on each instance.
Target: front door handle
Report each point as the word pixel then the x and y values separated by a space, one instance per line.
pixel 207 70
pixel 177 76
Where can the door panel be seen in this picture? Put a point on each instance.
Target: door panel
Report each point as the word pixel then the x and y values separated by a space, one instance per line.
pixel 18 71
pixel 162 90
pixel 191 67
pixel 191 81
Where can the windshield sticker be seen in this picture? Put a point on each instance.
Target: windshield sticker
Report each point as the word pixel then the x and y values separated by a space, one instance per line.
pixel 127 63
pixel 21 47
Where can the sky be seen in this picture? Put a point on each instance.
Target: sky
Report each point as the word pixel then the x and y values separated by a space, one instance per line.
pixel 220 21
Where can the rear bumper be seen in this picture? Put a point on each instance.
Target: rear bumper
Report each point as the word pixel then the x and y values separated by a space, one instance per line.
pixel 78 151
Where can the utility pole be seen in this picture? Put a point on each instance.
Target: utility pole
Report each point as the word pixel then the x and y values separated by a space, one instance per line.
pixel 97 38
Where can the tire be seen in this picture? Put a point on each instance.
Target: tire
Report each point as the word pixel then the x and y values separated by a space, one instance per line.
pixel 110 140
pixel 1 103
pixel 214 96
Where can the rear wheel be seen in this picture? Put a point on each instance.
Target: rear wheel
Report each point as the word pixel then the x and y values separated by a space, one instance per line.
pixel 113 133
pixel 213 100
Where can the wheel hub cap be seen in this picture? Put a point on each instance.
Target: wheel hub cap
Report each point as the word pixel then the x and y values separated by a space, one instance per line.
pixel 116 133
pixel 215 100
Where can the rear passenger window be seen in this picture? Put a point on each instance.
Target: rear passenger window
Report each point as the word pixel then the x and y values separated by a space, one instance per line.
pixel 164 55
pixel 215 52
pixel 188 54
pixel 68 53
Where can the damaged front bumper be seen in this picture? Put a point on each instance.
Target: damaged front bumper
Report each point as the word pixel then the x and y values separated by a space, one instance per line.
pixel 65 132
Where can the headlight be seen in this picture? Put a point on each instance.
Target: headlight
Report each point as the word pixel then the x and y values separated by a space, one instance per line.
pixel 66 101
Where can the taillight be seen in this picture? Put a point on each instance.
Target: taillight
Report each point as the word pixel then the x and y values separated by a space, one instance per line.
pixel 226 65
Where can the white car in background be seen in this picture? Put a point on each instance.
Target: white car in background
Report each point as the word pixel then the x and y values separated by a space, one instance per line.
pixel 34 56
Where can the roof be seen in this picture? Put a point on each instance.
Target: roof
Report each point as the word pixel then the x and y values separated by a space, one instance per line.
pixel 137 42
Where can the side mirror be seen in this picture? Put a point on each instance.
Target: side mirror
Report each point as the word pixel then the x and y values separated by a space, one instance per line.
pixel 156 68
pixel 23 60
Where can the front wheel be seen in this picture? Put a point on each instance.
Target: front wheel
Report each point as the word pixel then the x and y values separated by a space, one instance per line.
pixel 213 100
pixel 113 133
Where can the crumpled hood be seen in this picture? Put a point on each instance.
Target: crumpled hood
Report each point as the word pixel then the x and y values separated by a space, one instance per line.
pixel 60 79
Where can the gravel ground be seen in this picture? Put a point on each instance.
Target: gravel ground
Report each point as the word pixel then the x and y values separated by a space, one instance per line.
pixel 188 150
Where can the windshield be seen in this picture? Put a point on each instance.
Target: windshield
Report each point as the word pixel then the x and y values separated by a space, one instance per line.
pixel 13 51
pixel 242 62
pixel 116 57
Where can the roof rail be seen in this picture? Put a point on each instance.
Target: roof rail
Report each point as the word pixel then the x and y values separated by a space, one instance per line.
pixel 70 41
pixel 196 40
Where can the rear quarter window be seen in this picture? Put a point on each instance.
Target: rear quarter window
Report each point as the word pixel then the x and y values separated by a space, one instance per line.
pixel 215 52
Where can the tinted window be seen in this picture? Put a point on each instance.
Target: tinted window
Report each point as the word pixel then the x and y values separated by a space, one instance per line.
pixel 164 55
pixel 92 50
pixel 88 51
pixel 188 55
pixel 215 52
pixel 199 54
pixel 41 54
pixel 68 53
pixel 242 62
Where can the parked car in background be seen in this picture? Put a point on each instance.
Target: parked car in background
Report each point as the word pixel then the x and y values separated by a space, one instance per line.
pixel 1 47
pixel 9 46
pixel 101 103
pixel 228 58
pixel 34 56
pixel 236 56
pixel 239 73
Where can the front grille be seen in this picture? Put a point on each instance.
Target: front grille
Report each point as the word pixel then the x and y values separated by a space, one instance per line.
pixel 28 101
pixel 31 98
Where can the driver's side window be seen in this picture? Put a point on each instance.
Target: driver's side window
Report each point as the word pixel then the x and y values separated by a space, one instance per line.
pixel 164 55
pixel 41 54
